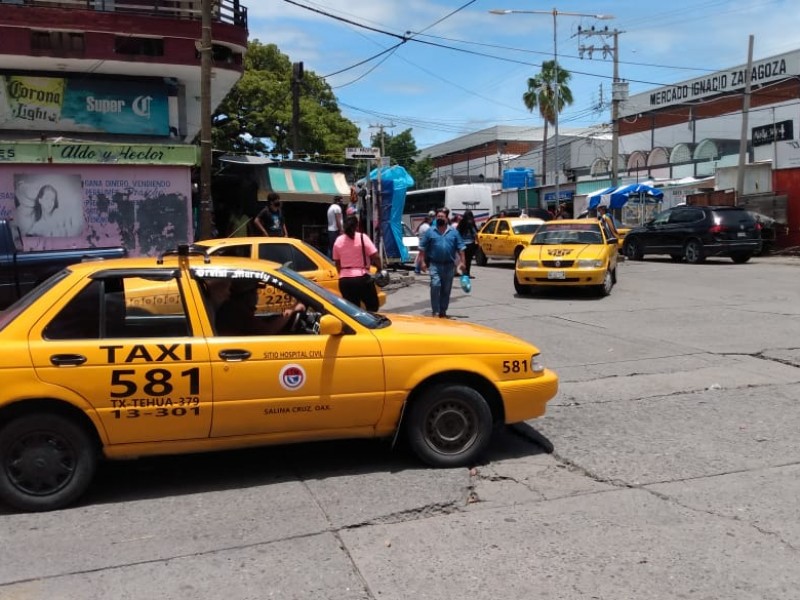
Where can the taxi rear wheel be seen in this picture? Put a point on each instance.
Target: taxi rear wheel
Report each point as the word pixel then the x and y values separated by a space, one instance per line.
pixel 450 426
pixel 46 462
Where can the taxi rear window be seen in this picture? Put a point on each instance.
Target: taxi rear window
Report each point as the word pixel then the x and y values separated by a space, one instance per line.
pixel 13 311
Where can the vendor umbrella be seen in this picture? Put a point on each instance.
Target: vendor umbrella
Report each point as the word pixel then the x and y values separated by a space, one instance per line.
pixel 617 197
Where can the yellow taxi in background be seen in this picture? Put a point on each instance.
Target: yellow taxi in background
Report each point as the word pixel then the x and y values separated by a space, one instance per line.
pixel 298 255
pixel 504 238
pixel 90 372
pixel 575 252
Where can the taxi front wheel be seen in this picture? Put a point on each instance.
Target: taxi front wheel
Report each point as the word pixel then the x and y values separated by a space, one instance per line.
pixel 46 462
pixel 449 426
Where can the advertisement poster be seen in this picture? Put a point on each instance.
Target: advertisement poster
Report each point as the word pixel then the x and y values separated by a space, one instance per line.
pixel 147 210
pixel 84 105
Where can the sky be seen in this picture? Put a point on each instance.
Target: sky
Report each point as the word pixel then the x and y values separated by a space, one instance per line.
pixel 446 68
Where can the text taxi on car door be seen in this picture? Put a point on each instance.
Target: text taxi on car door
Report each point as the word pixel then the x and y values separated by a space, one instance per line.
pixel 92 366
pixel 504 238
pixel 296 254
pixel 576 252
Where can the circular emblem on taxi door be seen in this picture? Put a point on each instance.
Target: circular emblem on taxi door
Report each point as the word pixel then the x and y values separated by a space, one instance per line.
pixel 292 377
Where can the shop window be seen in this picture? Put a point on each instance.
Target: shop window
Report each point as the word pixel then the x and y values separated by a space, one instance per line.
pixel 139 46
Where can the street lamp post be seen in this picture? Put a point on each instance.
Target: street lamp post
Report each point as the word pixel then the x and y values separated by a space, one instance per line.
pixel 555 12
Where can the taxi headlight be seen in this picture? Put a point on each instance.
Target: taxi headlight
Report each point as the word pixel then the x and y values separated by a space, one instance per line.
pixel 536 366
pixel 594 263
pixel 527 264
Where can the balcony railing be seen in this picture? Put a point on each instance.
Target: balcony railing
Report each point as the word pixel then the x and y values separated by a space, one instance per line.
pixel 224 11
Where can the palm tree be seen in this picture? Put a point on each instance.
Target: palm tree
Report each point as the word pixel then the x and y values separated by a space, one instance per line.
pixel 542 94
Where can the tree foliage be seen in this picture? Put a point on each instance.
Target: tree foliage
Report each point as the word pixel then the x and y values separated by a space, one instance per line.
pixel 402 150
pixel 256 115
pixel 543 89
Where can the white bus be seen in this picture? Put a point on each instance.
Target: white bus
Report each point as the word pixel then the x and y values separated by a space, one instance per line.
pixel 476 197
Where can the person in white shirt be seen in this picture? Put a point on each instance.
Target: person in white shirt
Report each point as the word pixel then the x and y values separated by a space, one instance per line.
pixel 421 231
pixel 334 223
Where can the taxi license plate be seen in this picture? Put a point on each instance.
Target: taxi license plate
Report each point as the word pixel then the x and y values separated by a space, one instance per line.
pixel 556 275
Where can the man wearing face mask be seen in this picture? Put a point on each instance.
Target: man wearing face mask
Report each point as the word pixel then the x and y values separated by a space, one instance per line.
pixel 442 251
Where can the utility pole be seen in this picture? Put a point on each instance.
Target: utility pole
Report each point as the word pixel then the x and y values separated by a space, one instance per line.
pixel 619 89
pixel 297 78
pixel 206 210
pixel 378 238
pixel 745 114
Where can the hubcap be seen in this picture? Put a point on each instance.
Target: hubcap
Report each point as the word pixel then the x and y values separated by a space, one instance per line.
pixel 40 463
pixel 451 427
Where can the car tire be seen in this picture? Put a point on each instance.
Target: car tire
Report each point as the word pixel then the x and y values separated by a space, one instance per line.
pixel 604 289
pixel 480 258
pixel 46 462
pixel 449 426
pixel 632 249
pixel 517 251
pixel 693 252
pixel 741 257
pixel 521 288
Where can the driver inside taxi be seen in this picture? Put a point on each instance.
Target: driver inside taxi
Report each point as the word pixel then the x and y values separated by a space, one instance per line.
pixel 237 314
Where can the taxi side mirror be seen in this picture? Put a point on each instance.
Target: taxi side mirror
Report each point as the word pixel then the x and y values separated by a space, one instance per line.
pixel 612 240
pixel 330 325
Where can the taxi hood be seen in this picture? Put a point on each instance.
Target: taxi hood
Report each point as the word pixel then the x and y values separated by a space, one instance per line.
pixel 429 335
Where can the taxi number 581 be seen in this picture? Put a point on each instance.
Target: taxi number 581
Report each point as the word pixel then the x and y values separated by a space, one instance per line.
pixel 158 382
pixel 515 366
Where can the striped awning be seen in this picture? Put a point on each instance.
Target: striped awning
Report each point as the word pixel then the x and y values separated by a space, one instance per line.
pixel 307 186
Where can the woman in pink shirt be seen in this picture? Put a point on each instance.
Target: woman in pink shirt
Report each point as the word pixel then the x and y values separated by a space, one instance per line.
pixel 353 253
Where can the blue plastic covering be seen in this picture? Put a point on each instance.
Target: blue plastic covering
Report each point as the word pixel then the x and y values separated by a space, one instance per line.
pixel 518 177
pixel 395 181
pixel 617 197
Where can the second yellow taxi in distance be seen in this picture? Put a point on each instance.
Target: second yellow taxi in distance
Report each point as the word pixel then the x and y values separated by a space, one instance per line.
pixel 93 367
pixel 576 252
pixel 504 238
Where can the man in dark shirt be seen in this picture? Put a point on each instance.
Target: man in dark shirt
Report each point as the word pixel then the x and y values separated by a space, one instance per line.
pixel 270 220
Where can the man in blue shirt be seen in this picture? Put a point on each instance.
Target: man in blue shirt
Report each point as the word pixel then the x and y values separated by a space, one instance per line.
pixel 442 251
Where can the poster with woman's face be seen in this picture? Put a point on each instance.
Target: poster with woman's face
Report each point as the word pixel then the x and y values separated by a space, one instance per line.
pixel 48 205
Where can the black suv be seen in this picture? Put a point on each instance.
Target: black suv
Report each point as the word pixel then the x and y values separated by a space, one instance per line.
pixel 695 232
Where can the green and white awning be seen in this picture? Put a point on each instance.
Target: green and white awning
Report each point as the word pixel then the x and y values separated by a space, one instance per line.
pixel 307 186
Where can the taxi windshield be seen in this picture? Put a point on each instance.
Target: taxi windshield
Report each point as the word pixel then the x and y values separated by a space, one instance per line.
pixel 568 233
pixel 365 318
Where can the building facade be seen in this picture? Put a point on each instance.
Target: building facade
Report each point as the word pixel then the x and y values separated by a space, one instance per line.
pixel 100 106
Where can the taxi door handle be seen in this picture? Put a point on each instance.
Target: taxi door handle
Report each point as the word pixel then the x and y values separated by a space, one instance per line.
pixel 67 360
pixel 234 355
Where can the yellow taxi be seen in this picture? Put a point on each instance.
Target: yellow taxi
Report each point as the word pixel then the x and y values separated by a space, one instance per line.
pixel 90 371
pixel 298 255
pixel 575 252
pixel 504 238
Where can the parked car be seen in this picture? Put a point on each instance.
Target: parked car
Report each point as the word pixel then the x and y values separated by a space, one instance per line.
pixel 692 233
pixel 298 255
pixel 20 271
pixel 504 238
pixel 411 242
pixel 90 372
pixel 579 252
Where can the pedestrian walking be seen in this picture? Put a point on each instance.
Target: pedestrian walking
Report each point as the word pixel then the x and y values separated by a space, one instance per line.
pixel 270 220
pixel 468 231
pixel 442 251
pixel 421 231
pixel 353 253
pixel 335 228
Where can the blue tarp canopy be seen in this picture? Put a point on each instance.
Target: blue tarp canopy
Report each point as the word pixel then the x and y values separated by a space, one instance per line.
pixel 617 197
pixel 394 183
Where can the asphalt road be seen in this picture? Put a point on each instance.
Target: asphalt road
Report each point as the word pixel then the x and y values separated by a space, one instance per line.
pixel 667 467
